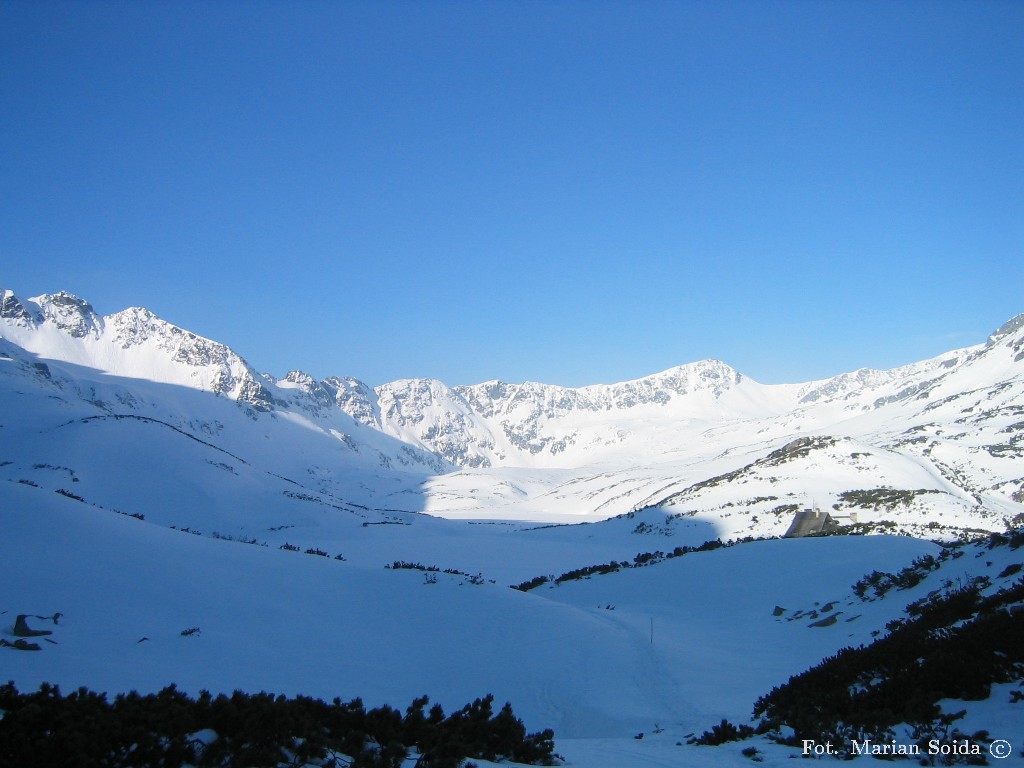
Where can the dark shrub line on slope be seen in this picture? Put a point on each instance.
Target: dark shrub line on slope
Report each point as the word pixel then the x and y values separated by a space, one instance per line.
pixel 951 645
pixel 650 558
pixel 881 582
pixel 172 730
pixel 642 559
pixel 433 570
pixel 861 693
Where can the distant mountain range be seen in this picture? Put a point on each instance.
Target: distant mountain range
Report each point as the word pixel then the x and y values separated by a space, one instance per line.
pixel 934 443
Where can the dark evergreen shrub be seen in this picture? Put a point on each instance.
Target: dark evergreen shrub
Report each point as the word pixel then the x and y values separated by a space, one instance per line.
pixel 722 733
pixel 953 646
pixel 260 730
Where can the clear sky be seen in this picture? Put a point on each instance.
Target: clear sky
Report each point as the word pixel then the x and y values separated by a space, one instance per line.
pixel 567 192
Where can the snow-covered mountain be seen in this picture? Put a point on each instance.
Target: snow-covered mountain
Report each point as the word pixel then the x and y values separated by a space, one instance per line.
pixel 936 442
pixel 136 459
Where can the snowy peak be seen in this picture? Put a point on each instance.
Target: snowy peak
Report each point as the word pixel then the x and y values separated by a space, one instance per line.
pixel 13 311
pixel 301 380
pixel 62 310
pixel 355 398
pixel 499 398
pixel 220 370
pixel 136 325
pixel 428 413
pixel 1010 327
pixel 1009 335
pixel 884 386
pixel 711 376
pixel 133 343
pixel 70 314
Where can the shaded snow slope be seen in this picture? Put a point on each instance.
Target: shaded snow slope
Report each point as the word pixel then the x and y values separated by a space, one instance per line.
pixel 289 622
pixel 666 650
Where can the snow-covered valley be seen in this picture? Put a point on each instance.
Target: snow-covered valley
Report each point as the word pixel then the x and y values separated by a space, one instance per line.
pixel 152 481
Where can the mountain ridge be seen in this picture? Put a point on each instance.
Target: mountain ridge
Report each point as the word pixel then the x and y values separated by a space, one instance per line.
pixel 540 451
pixel 78 319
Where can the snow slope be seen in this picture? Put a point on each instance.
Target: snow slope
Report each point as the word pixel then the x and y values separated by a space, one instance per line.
pixel 666 650
pixel 288 622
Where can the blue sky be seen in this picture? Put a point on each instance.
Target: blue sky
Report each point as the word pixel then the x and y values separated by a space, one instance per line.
pixel 568 192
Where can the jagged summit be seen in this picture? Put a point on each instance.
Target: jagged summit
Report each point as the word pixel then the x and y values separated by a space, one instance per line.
pixel 133 343
pixel 1011 326
pixel 64 310
pixel 12 310
pixel 676 377
pixel 70 313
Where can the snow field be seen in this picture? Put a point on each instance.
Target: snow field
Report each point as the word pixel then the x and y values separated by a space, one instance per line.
pixel 293 623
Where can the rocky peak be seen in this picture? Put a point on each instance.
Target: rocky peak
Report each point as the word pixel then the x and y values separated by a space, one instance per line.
pixel 1009 327
pixel 408 400
pixel 498 398
pixel 13 310
pixel 135 325
pixel 302 379
pixel 355 398
pixel 437 417
pixel 705 375
pixel 71 314
pixel 844 385
pixel 230 375
pixel 485 398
